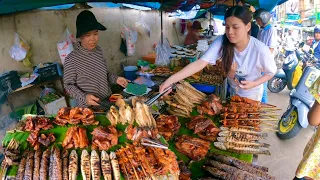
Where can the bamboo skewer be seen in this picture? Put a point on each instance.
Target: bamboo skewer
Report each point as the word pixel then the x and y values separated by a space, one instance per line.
pixel 269 129
pixel 268 119
pixel 269 124
pixel 260 105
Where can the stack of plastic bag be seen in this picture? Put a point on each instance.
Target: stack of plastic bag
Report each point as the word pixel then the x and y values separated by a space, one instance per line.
pixel 20 51
pixel 143 28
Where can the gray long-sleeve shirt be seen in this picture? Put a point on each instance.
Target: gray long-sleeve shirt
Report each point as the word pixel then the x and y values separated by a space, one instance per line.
pixel 85 72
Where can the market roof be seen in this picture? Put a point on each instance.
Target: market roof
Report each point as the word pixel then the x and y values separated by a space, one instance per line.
pixel 13 6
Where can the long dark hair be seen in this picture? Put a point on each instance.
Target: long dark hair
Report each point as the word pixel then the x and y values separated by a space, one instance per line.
pixel 227 48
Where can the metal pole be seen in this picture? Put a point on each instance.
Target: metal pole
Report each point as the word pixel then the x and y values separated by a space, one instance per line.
pixel 161 27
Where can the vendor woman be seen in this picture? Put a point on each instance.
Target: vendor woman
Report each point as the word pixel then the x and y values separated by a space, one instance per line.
pixel 243 57
pixel 193 33
pixel 86 77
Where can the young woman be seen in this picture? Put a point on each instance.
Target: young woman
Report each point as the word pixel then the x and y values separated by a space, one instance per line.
pixel 243 57
pixel 86 77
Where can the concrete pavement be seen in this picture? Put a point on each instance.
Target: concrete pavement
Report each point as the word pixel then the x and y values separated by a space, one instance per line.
pixel 285 154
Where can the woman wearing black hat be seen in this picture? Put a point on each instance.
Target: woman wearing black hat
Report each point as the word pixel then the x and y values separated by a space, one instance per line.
pixel 86 77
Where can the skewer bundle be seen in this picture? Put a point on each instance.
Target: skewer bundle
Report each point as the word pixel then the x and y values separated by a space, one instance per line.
pixel 247 113
pixel 138 162
pixel 242 140
pixel 243 121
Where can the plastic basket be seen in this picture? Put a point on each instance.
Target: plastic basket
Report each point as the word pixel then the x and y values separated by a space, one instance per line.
pixel 206 88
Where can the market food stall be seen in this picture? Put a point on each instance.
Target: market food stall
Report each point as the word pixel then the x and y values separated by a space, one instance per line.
pixel 193 135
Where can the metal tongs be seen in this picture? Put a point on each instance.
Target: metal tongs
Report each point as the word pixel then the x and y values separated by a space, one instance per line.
pixel 156 97
pixel 151 143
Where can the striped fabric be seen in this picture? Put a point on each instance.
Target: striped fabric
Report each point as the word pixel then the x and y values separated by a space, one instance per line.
pixel 85 72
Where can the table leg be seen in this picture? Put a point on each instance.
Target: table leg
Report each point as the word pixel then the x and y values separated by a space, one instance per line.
pixel 10 104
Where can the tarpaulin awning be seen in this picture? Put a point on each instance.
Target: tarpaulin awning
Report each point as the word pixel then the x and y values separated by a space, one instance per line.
pixel 13 6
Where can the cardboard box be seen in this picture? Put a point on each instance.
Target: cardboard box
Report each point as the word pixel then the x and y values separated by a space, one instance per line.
pixel 53 107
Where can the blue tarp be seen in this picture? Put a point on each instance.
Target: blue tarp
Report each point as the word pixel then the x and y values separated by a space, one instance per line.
pixel 13 6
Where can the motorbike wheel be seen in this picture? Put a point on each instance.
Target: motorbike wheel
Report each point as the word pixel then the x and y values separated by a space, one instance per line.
pixel 276 85
pixel 289 126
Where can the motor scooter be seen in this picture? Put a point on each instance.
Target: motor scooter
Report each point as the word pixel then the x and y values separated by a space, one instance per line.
pixel 285 76
pixel 280 56
pixel 295 117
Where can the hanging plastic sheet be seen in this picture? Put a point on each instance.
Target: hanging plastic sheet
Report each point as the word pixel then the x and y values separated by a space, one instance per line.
pixel 163 51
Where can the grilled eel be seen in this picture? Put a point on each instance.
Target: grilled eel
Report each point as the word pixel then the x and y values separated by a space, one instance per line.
pixel 22 167
pixel 29 166
pixel 234 172
pixel 65 159
pixel 37 161
pixel 44 165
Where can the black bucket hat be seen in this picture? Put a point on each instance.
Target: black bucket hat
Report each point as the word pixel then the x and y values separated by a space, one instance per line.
pixel 86 21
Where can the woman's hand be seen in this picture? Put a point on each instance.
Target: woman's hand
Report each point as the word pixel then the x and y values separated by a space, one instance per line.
pixel 91 100
pixel 122 81
pixel 165 85
pixel 247 84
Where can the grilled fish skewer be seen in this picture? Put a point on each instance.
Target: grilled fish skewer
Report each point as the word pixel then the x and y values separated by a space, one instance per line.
pixel 241 135
pixel 95 165
pixel 106 166
pixel 73 165
pixel 115 166
pixel 85 165
pixel 240 148
pixel 242 142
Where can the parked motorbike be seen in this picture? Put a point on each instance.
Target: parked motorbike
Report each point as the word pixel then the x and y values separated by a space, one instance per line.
pixel 295 117
pixel 280 56
pixel 289 74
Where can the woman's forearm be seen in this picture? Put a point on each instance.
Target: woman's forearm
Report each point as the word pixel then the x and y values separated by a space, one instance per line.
pixel 187 71
pixel 263 79
pixel 314 114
